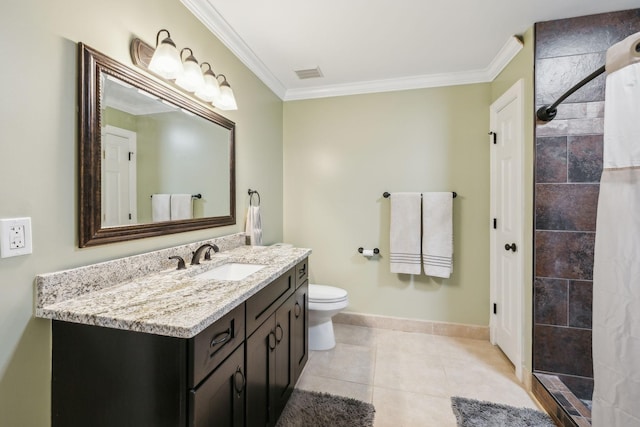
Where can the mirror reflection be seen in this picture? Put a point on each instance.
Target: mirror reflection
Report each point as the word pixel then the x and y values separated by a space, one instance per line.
pixel 160 162
pixel 153 160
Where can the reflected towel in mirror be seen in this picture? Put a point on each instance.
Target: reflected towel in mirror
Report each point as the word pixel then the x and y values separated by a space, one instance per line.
pixel 181 206
pixel 160 207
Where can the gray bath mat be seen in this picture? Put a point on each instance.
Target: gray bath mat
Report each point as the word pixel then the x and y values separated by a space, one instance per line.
pixel 474 413
pixel 313 409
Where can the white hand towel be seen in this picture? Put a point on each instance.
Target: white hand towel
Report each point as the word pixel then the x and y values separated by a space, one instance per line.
pixel 437 234
pixel 181 206
pixel 160 207
pixel 253 228
pixel 405 233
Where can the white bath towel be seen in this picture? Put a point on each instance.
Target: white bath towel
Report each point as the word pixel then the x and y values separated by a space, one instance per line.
pixel 437 234
pixel 405 233
pixel 181 206
pixel 253 228
pixel 160 207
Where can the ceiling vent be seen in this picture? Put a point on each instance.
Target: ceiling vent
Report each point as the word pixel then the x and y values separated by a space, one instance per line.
pixel 311 73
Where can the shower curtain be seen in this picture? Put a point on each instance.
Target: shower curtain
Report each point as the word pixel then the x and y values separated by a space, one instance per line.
pixel 616 276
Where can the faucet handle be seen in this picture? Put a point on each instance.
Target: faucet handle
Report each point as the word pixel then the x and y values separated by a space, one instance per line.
pixel 207 254
pixel 181 265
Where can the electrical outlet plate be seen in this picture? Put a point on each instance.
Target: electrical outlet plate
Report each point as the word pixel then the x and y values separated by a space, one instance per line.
pixel 15 237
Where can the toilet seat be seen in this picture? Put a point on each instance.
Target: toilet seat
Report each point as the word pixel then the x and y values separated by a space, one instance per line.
pixel 326 294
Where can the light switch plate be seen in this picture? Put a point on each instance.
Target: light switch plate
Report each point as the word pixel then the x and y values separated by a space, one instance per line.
pixel 15 237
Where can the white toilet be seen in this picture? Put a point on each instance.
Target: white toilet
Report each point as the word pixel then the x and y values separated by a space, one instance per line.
pixel 324 303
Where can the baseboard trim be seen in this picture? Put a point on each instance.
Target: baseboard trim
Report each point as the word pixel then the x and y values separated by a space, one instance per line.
pixel 414 325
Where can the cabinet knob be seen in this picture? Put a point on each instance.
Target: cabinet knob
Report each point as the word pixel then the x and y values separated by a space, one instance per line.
pixel 272 340
pixel 297 309
pixel 239 381
pixel 279 333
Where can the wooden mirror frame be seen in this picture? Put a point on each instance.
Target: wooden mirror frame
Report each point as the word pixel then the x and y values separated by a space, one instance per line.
pixel 91 232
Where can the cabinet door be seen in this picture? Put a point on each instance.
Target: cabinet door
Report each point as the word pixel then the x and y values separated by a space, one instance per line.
pixel 261 370
pixel 300 335
pixel 219 400
pixel 284 381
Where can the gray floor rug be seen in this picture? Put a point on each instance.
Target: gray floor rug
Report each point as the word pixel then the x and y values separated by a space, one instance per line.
pixel 313 409
pixel 475 413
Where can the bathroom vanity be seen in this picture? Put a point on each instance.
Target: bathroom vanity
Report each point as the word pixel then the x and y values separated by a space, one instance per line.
pixel 192 352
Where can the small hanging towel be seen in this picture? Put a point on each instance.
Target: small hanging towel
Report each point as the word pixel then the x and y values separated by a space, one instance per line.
pixel 160 207
pixel 405 233
pixel 253 229
pixel 181 206
pixel 437 234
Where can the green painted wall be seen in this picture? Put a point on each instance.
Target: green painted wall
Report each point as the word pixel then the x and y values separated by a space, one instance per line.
pixel 342 153
pixel 38 148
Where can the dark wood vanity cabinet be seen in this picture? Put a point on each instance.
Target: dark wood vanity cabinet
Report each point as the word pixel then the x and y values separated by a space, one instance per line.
pixel 238 372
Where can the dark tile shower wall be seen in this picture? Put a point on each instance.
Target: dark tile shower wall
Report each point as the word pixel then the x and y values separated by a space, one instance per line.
pixel 568 168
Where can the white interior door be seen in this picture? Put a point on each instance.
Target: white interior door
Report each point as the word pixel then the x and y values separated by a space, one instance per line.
pixel 507 214
pixel 118 177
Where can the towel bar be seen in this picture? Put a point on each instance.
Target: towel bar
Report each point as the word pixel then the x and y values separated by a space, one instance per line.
pixel 386 194
pixel 194 196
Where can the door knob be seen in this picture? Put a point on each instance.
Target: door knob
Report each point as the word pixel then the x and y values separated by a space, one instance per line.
pixel 510 247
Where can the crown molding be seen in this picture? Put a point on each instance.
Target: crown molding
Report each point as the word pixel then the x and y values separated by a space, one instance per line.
pixel 485 75
pixel 506 54
pixel 386 85
pixel 210 17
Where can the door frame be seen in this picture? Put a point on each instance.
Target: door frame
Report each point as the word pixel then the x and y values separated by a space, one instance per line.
pixel 513 94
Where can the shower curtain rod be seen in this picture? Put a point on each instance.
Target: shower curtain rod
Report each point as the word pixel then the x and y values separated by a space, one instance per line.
pixel 546 113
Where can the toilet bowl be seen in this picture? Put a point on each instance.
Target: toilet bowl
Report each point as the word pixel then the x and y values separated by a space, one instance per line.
pixel 324 303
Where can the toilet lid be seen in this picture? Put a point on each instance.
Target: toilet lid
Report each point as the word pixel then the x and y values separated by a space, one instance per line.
pixel 324 293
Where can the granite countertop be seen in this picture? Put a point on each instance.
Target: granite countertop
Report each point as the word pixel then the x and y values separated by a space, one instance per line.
pixel 174 302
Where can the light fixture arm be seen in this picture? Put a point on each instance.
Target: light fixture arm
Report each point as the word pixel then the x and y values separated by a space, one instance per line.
pixel 209 71
pixel 224 81
pixel 190 57
pixel 167 40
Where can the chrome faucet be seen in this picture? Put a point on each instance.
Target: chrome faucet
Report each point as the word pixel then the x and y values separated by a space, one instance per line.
pixel 207 256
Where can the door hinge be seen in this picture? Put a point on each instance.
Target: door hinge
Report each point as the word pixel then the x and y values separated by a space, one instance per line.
pixel 495 137
pixel 130 153
pixel 495 223
pixel 495 308
pixel 129 216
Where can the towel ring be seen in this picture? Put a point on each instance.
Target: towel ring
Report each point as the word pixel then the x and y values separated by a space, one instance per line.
pixel 251 193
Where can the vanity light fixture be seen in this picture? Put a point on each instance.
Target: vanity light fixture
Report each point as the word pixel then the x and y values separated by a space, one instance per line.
pixel 191 77
pixel 226 100
pixel 166 61
pixel 210 90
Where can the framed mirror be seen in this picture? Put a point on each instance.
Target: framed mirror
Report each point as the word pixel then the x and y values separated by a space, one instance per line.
pixel 153 161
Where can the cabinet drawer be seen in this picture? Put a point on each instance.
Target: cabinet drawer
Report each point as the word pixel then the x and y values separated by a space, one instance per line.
pixel 214 344
pixel 264 303
pixel 302 272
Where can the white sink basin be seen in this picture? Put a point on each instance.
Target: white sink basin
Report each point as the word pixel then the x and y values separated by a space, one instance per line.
pixel 231 271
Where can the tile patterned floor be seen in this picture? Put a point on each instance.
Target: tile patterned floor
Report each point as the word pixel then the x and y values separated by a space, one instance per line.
pixel 410 377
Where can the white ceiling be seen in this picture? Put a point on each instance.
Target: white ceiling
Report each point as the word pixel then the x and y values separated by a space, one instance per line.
pixel 366 46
